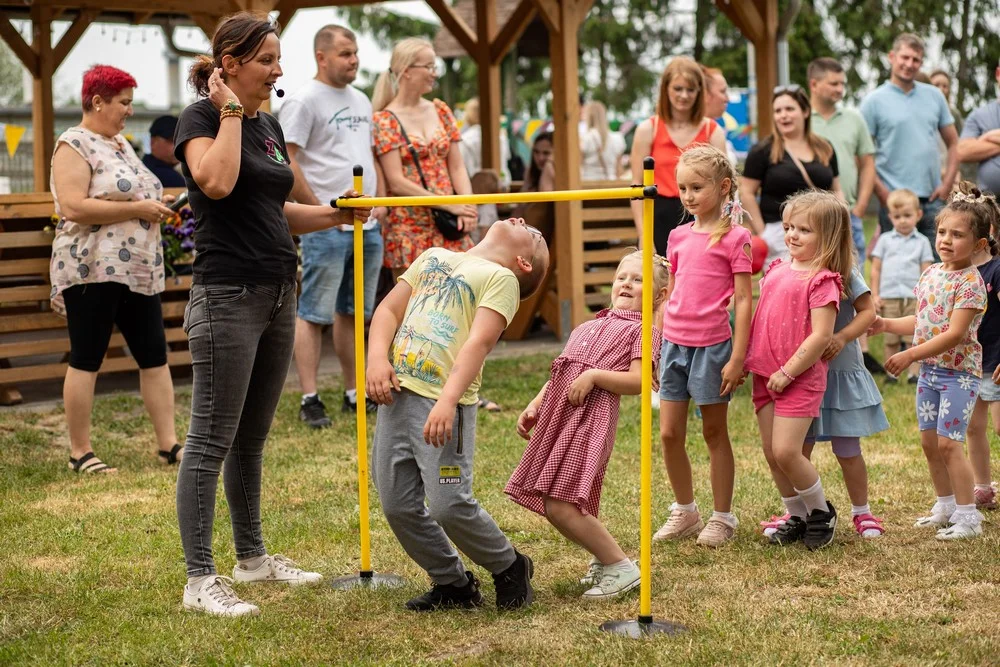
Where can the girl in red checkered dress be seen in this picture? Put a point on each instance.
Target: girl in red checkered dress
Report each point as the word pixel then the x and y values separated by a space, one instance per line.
pixel 575 416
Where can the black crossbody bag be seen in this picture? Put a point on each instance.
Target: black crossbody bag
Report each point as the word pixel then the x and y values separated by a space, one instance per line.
pixel 445 221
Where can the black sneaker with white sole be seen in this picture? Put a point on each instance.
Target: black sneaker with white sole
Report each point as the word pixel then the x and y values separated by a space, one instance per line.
pixel 449 596
pixel 313 412
pixel 351 406
pixel 513 585
pixel 820 526
pixel 789 532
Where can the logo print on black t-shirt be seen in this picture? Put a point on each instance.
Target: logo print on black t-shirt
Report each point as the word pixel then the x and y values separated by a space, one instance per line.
pixel 273 151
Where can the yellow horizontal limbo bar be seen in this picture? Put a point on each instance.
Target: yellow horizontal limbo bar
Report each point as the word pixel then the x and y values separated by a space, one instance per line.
pixel 633 192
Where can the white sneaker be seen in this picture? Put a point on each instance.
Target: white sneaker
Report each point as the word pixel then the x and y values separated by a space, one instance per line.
pixel 215 596
pixel 594 574
pixel 959 531
pixel 935 520
pixel 614 582
pixel 276 568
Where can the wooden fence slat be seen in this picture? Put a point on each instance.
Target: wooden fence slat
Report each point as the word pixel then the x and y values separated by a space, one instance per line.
pixel 604 277
pixel 25 239
pixel 604 256
pixel 606 214
pixel 24 267
pixel 9 295
pixel 56 345
pixel 623 234
pixel 10 211
pixel 55 371
pixel 36 321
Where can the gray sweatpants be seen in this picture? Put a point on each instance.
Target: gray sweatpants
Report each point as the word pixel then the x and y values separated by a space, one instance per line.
pixel 406 471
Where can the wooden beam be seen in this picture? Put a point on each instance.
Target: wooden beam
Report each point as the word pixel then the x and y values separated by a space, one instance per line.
pixel 489 84
pixel 745 16
pixel 455 25
pixel 13 38
pixel 73 34
pixel 257 5
pixel 217 7
pixel 564 58
pixel 550 12
pixel 42 115
pixel 142 17
pixel 207 23
pixel 766 64
pixel 518 22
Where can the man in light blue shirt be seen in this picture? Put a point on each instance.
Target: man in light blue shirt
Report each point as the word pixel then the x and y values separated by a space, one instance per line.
pixel 980 142
pixel 905 117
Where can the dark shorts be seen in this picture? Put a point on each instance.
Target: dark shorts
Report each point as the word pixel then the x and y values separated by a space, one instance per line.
pixel 668 213
pixel 93 309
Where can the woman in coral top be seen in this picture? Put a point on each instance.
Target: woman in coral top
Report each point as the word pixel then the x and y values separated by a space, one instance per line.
pixel 679 123
pixel 432 131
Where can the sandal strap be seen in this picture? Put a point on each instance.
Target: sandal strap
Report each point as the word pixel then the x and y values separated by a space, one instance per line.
pixel 88 463
pixel 171 456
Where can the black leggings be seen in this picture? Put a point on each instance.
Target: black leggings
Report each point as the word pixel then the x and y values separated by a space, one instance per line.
pixel 91 311
pixel 668 213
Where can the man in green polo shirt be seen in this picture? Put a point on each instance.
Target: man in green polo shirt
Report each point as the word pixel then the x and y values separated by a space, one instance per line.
pixel 848 132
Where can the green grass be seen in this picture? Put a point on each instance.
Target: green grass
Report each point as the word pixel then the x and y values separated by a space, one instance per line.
pixel 91 568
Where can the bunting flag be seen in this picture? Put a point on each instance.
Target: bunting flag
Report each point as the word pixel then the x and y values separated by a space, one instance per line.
pixel 12 135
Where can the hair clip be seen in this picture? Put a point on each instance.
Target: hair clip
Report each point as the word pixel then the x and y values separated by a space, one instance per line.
pixel 661 261
pixel 972 199
pixel 734 211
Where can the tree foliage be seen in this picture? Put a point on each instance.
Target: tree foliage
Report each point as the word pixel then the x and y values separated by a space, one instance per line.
pixel 11 79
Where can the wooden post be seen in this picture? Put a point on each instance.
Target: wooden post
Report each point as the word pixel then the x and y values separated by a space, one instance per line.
pixel 766 63
pixel 563 53
pixel 489 83
pixel 42 115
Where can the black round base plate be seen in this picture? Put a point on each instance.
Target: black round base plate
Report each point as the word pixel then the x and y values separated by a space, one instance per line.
pixel 639 629
pixel 368 580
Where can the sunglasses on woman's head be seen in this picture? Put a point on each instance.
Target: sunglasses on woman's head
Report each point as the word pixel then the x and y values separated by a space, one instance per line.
pixel 790 89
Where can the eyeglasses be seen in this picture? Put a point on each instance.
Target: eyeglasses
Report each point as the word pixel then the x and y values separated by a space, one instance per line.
pixel 432 67
pixel 533 230
pixel 790 89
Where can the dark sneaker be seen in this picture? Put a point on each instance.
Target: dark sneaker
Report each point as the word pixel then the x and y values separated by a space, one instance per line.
pixel 793 530
pixel 819 527
pixel 872 364
pixel 313 413
pixel 449 596
pixel 351 406
pixel 513 585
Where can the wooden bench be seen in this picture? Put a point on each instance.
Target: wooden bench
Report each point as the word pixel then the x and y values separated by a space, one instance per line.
pixel 34 341
pixel 608 231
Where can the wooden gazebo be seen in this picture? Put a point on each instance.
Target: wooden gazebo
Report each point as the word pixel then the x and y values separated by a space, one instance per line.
pixel 486 39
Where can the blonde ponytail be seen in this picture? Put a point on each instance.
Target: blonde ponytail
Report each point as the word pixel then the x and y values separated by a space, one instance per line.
pixel 385 90
pixel 403 56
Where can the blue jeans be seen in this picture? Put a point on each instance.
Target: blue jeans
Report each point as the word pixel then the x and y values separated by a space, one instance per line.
pixel 328 274
pixel 926 226
pixel 241 339
pixel 858 235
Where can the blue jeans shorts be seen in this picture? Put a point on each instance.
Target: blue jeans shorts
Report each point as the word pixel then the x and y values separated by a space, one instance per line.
pixel 989 391
pixel 693 372
pixel 328 274
pixel 945 401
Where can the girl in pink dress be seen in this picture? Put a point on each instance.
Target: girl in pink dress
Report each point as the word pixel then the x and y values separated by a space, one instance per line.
pixel 791 328
pixel 575 417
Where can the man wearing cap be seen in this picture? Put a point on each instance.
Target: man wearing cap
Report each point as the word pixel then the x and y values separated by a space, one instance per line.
pixel 160 159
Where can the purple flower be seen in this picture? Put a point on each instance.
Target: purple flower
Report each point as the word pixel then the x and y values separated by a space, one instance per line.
pixel 187 245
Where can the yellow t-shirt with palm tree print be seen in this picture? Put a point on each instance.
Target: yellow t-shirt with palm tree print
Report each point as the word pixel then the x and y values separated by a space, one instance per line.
pixel 448 288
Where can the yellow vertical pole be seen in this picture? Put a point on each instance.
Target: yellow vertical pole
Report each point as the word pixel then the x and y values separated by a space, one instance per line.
pixel 646 429
pixel 359 375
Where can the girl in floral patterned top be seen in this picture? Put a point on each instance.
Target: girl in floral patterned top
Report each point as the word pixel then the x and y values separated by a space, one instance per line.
pixel 107 264
pixel 433 133
pixel 951 298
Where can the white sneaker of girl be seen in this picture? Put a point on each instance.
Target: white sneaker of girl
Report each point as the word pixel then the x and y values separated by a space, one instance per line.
pixel 594 574
pixel 959 531
pixel 616 580
pixel 215 596
pixel 278 569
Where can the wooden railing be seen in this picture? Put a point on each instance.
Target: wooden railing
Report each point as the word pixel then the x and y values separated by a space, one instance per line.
pixel 34 342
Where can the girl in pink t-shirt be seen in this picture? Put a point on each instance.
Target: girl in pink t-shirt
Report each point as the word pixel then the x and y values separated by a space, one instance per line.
pixel 951 300
pixel 791 329
pixel 701 358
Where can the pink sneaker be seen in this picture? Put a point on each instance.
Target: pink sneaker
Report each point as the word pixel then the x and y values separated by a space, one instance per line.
pixel 868 526
pixel 987 499
pixel 771 526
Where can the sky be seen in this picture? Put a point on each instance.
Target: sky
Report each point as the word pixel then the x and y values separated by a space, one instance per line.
pixel 140 51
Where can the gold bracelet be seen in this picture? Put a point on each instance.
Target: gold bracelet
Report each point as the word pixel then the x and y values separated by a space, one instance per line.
pixel 231 108
pixel 227 113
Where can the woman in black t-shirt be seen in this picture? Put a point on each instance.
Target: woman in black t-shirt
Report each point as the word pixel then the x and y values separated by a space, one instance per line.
pixel 774 167
pixel 240 320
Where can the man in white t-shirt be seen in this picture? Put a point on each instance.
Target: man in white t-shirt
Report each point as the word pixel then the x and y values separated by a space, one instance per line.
pixel 328 129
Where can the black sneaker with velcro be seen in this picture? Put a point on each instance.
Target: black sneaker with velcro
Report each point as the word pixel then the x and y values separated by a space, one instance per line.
pixel 449 596
pixel 820 526
pixel 513 585
pixel 789 532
